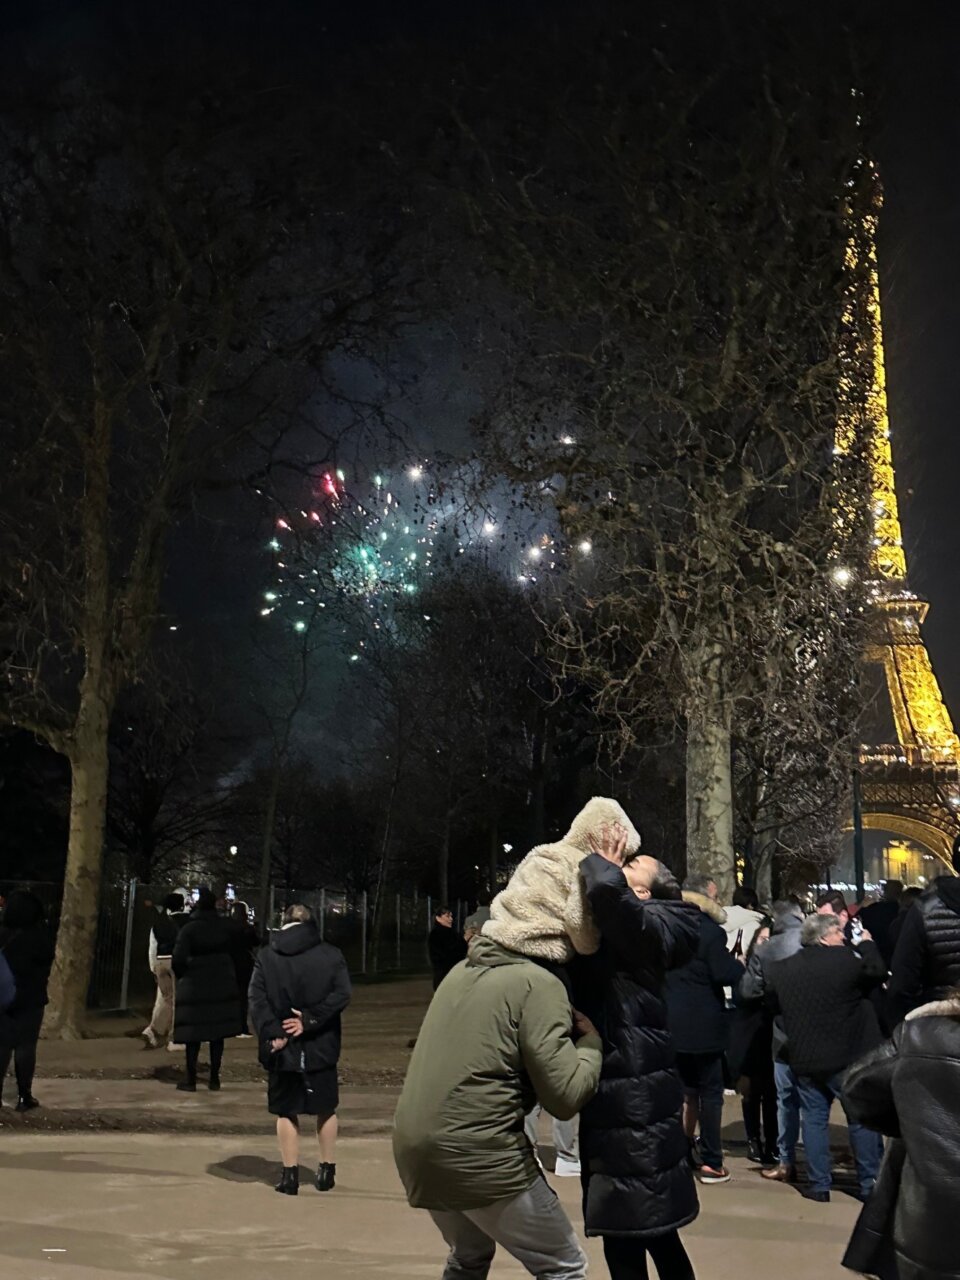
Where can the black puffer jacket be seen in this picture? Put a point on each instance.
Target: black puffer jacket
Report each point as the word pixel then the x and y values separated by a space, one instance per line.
pixel 636 1174
pixel 298 971
pixel 207 1005
pixel 696 1002
pixel 29 953
pixel 908 1090
pixel 926 962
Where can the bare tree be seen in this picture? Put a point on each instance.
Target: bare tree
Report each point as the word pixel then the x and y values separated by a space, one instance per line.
pixel 175 269
pixel 675 210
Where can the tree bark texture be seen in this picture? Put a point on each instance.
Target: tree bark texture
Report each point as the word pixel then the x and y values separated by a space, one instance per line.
pixel 76 937
pixel 710 789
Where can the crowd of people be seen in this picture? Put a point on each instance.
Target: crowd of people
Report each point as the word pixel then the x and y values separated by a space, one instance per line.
pixel 596 990
pixel 599 991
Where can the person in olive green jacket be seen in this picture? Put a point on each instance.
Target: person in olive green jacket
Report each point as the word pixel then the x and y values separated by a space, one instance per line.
pixel 498 1037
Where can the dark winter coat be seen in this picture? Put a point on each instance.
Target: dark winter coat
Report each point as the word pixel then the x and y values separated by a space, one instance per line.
pixel 29 953
pixel 823 994
pixel 696 1001
pixel 8 984
pixel 878 919
pixel 784 943
pixel 446 948
pixel 635 1158
pixel 908 1090
pixel 207 1005
pixel 166 927
pixel 926 962
pixel 298 971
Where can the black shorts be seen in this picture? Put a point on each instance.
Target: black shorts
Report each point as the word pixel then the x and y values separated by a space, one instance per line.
pixel 295 1093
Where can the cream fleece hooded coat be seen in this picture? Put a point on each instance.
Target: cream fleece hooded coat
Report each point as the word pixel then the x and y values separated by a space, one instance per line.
pixel 543 910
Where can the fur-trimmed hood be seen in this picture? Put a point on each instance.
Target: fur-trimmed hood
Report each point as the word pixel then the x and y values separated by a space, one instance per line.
pixel 949 1008
pixel 706 905
pixel 543 911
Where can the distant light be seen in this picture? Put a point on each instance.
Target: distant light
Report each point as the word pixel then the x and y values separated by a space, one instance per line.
pixel 534 553
pixel 585 547
pixel 378 481
pixel 282 524
pixel 174 628
pixel 340 476
pixel 508 848
pixel 274 544
pixel 354 657
pixel 842 575
pixel 234 850
pixel 415 473
pixel 299 625
pixel 567 440
pixel 269 595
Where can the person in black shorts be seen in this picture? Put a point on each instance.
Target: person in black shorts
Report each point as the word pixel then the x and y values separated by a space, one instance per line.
pixel 299 988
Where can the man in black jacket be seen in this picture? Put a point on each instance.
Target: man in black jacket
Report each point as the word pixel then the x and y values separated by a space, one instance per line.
pixel 697 1018
pixel 823 994
pixel 299 988
pixel 445 945
pixel 926 962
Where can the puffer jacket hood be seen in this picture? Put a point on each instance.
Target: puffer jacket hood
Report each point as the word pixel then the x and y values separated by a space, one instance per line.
pixel 543 913
pixel 294 939
pixel 709 908
pixel 948 890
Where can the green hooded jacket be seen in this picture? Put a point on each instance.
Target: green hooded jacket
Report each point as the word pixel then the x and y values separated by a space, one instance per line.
pixel 495 1040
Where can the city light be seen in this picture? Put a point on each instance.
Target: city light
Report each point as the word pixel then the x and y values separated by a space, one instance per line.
pixel 842 575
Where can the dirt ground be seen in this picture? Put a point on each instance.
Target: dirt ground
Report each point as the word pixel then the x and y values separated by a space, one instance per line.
pixel 140 1207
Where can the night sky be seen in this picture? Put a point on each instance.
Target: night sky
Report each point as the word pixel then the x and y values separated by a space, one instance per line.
pixel 920 280
pixel 919 251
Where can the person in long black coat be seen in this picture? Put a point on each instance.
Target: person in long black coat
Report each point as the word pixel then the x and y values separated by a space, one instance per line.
pixel 245 953
pixel 27 947
pixel 907 1089
pixel 207 1005
pixel 638 1187
pixel 300 986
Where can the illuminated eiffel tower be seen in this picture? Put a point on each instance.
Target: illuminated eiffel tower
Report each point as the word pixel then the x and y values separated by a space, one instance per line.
pixel 910 787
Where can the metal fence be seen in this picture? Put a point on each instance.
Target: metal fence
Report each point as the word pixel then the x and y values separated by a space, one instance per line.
pixel 121 977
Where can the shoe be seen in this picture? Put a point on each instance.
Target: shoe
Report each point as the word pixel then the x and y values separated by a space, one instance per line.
pixel 149 1039
pixel 26 1104
pixel 187 1086
pixel 244 1035
pixel 173 1048
pixel 214 1084
pixel 780 1173
pixel 696 1155
pixel 289 1184
pixel 821 1197
pixel 326 1177
pixel 708 1175
pixel 754 1154
pixel 769 1159
pixel 567 1168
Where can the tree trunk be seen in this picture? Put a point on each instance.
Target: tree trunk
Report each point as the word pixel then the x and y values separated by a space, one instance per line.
pixel 79 916
pixel 710 788
pixel 266 854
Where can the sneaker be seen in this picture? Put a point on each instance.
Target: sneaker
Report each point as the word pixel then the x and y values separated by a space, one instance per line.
pixel 149 1039
pixel 821 1197
pixel 754 1154
pixel 244 1035
pixel 708 1175
pixel 29 1103
pixel 173 1048
pixel 567 1168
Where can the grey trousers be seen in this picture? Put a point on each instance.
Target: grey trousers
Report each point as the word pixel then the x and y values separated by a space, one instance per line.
pixel 532 1227
pixel 565 1132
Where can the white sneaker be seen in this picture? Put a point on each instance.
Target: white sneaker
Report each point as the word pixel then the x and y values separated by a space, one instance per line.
pixel 173 1048
pixel 149 1039
pixel 244 1035
pixel 567 1168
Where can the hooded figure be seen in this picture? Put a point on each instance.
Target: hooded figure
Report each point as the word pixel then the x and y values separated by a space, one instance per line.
pixel 926 963
pixel 543 910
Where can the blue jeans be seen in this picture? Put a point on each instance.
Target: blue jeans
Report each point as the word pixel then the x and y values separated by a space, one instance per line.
pixel 816 1097
pixel 788 1112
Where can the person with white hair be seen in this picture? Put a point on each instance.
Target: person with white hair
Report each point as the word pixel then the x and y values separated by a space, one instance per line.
pixel 823 993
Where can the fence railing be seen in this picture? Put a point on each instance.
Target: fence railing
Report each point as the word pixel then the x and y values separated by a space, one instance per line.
pixel 121 977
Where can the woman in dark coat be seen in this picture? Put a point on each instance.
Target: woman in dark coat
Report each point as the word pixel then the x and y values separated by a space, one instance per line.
pixel 28 950
pixel 637 1182
pixel 207 1005
pixel 750 1059
pixel 908 1090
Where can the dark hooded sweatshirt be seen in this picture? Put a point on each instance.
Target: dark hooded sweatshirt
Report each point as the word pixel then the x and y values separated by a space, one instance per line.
pixel 926 963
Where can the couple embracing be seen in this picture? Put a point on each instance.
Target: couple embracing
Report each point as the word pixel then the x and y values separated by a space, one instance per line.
pixel 558 1002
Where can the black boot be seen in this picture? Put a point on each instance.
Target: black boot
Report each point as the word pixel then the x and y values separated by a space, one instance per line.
pixel 289 1184
pixel 187 1086
pixel 214 1084
pixel 26 1104
pixel 326 1177
pixel 754 1154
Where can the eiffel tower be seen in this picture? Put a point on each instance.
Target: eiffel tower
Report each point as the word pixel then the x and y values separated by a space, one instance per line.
pixel 910 787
